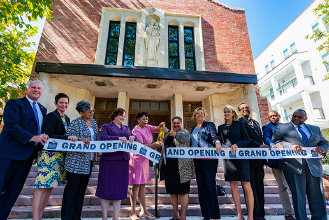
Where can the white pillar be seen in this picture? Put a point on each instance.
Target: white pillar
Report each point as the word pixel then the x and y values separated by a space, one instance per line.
pixel 275 87
pixel 280 111
pixel 177 109
pixel 308 105
pixel 299 72
pixel 251 100
pixel 123 102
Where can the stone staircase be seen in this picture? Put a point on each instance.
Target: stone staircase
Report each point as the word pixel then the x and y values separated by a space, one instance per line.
pixel 23 206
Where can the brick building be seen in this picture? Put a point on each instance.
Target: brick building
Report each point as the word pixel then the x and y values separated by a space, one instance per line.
pixel 163 57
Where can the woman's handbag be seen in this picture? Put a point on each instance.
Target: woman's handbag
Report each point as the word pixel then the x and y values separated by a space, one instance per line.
pixel 220 190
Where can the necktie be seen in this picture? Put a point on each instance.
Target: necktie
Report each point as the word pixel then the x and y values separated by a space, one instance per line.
pixel 304 136
pixel 36 116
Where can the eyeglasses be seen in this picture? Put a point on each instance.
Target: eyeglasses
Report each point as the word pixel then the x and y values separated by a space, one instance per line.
pixel 91 111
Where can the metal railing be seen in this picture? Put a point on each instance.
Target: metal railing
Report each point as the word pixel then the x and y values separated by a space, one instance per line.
pixel 318 113
pixel 283 89
pixel 310 78
pixel 270 96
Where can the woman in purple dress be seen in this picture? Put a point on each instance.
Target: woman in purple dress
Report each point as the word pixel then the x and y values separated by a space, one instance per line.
pixel 114 167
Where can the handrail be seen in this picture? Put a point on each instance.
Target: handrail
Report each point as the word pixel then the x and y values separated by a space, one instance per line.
pixel 294 83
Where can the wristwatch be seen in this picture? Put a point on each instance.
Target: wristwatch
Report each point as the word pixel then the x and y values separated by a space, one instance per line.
pixel 168 131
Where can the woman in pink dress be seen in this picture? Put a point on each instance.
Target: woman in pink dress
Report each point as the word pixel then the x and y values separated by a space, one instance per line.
pixel 139 169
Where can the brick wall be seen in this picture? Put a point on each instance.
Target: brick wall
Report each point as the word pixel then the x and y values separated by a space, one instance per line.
pixel 71 36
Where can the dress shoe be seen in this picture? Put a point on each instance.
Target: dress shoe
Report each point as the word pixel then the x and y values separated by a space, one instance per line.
pixel 143 215
pixel 289 217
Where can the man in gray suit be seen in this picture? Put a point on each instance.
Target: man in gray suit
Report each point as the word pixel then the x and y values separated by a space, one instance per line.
pixel 304 176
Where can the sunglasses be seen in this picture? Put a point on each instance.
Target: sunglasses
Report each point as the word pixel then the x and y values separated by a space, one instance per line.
pixel 299 117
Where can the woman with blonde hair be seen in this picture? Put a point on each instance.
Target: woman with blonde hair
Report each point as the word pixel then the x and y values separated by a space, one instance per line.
pixel 233 134
pixel 204 135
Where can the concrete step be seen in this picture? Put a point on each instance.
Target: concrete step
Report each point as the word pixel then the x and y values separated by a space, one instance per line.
pixel 150 189
pixel 94 174
pixel 93 182
pixel 56 200
pixel 163 210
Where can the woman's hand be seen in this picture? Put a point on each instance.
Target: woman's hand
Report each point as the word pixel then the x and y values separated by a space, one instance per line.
pixel 131 138
pixel 219 147
pixel 85 140
pixel 165 130
pixel 161 125
pixel 156 146
pixel 234 147
pixel 123 139
pixel 72 138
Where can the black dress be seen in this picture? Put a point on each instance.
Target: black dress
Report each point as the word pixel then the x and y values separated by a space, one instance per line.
pixel 235 169
pixel 172 179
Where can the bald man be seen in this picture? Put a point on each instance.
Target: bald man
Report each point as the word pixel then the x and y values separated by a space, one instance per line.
pixel 304 176
pixel 268 130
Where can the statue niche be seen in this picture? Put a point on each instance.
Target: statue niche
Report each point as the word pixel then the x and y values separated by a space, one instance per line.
pixel 152 42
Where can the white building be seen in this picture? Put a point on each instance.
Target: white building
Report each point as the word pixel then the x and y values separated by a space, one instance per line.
pixel 290 71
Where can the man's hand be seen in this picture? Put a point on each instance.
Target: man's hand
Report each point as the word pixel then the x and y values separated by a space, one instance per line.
pixel 165 130
pixel 319 150
pixel 85 140
pixel 72 138
pixel 234 147
pixel 42 138
pixel 265 146
pixel 277 146
pixel 297 148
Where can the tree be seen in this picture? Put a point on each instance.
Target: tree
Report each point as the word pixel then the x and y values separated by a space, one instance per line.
pixel 322 10
pixel 16 61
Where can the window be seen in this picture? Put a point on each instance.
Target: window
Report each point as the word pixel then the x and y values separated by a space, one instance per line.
pixel 286 54
pixel 112 43
pixel 189 48
pixel 324 23
pixel 129 45
pixel 173 50
pixel 267 69
pixel 293 48
pixel 315 27
pixel 272 64
pixel 325 59
pixel 272 94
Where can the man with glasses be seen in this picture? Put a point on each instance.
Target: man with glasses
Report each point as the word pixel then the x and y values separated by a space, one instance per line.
pixel 257 165
pixel 268 130
pixel 304 176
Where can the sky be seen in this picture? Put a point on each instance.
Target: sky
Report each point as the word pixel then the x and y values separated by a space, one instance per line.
pixel 266 20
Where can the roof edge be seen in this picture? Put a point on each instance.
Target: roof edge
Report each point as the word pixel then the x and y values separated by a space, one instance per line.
pixel 227 6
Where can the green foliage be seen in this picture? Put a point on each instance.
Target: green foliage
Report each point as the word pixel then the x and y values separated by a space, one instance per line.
pixel 322 10
pixel 15 61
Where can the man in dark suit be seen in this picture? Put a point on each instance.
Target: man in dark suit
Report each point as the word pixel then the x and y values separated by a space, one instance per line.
pixel 256 166
pixel 304 176
pixel 268 130
pixel 20 140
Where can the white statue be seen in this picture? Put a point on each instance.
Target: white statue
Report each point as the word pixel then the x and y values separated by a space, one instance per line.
pixel 152 41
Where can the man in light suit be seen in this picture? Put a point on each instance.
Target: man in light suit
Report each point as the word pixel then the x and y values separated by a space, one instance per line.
pixel 268 130
pixel 304 176
pixel 20 141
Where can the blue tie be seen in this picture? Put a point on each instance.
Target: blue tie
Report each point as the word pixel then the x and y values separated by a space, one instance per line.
pixel 304 136
pixel 36 116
